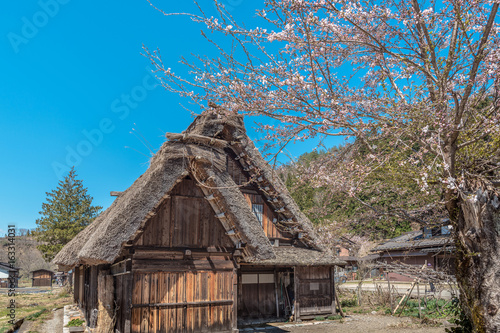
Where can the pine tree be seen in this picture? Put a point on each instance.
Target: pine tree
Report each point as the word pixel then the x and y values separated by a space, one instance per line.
pixel 67 211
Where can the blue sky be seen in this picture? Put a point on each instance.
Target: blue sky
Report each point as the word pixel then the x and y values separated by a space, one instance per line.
pixel 73 84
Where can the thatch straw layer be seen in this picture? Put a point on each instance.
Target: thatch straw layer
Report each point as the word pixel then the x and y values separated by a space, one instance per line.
pixel 104 240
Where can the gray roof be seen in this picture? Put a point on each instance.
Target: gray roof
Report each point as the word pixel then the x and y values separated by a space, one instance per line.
pixel 414 240
pixel 7 267
pixel 354 258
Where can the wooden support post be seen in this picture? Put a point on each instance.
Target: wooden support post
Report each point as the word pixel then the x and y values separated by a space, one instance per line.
pixel 418 295
pixel 276 293
pixel 332 286
pixel 389 289
pixel 235 301
pixel 296 293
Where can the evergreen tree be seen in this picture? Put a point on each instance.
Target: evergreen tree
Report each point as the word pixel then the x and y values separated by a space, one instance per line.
pixel 67 211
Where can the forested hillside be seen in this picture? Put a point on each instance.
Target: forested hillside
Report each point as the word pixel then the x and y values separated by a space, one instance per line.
pixel 388 208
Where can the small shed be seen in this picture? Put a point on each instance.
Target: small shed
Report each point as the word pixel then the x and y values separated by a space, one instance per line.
pixel 42 278
pixel 9 275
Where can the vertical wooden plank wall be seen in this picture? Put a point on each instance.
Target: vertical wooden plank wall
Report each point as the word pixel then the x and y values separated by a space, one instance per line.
pixel 185 220
pixel 123 295
pixel 189 301
pixel 267 219
pixel 88 293
pixel 315 290
pixel 257 297
pixel 76 285
pixel 172 293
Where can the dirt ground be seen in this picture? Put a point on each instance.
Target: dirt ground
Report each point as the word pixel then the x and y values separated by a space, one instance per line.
pixel 52 324
pixel 55 324
pixel 354 324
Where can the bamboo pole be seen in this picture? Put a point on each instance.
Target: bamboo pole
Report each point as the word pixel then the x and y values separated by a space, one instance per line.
pixel 411 289
pixel 418 296
pixel 405 297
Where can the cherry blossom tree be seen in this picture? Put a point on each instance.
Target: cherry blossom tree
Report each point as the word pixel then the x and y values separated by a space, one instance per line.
pixel 419 76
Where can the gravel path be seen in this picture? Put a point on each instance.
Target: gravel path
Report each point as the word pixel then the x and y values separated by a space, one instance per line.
pixel 354 324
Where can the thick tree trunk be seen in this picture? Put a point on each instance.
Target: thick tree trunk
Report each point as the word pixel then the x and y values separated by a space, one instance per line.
pixel 478 256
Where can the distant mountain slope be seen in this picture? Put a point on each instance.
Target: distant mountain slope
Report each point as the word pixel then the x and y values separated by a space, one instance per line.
pixel 28 257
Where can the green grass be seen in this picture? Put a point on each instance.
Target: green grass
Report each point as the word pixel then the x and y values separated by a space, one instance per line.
pixel 336 317
pixel 429 310
pixel 35 307
pixel 36 315
pixel 75 322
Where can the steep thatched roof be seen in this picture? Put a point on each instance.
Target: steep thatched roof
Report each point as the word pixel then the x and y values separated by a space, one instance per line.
pixel 232 129
pixel 296 256
pixel 199 152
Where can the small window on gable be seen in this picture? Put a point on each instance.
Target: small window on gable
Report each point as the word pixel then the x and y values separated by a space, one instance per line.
pixel 258 210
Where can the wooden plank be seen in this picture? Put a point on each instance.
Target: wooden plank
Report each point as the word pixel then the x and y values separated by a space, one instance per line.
pixel 145 299
pixel 172 323
pixel 332 289
pixel 204 297
pixel 165 223
pixel 153 298
pixel 276 293
pixel 171 224
pixel 189 299
pixel 180 292
pixel 121 266
pixel 205 228
pixel 181 265
pixel 210 297
pixel 296 293
pixel 127 301
pixel 119 303
pixel 197 297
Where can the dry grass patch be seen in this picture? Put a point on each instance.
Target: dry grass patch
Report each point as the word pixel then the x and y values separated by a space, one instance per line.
pixel 34 307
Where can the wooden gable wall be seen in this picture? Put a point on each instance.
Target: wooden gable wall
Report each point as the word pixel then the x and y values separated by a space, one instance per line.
pixel 253 196
pixel 185 220
pixel 268 217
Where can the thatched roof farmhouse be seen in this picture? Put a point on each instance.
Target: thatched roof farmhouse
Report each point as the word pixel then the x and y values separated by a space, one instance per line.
pixel 208 227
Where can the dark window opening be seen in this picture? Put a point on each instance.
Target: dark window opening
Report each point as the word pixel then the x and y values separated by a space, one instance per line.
pixel 258 210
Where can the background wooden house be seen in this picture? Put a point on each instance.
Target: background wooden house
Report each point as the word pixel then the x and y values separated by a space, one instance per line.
pixel 429 246
pixel 42 278
pixel 9 276
pixel 206 237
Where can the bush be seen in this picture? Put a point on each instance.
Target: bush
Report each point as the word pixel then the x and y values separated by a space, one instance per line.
pixel 36 314
pixel 350 302
pixel 75 322
pixel 336 317
pixel 463 323
pixel 319 318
